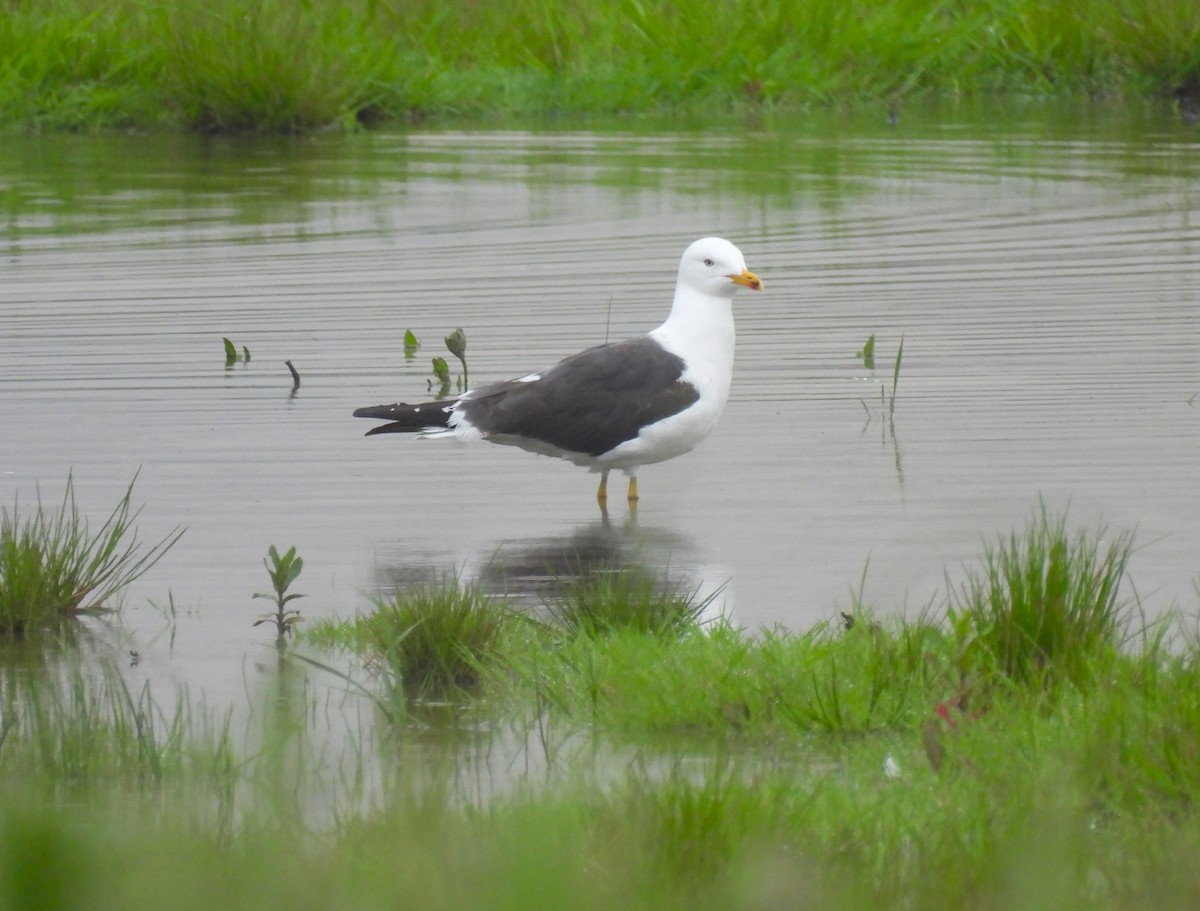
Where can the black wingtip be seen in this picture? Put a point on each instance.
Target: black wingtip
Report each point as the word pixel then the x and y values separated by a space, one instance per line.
pixel 394 427
pixel 405 418
pixel 375 411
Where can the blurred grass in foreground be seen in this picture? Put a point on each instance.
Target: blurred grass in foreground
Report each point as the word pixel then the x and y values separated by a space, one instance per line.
pixel 1043 760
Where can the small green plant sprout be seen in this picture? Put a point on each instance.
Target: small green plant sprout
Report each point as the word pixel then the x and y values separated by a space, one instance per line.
pixel 283 572
pixel 456 343
pixel 887 398
pixel 231 353
pixel 411 345
pixel 895 379
pixel 441 371
pixel 867 353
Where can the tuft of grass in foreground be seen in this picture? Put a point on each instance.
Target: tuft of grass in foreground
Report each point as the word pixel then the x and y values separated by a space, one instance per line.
pixel 53 565
pixel 1018 820
pixel 1045 606
pixel 273 65
pixel 432 642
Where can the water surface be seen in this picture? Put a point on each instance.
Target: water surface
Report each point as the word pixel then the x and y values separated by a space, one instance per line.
pixel 1040 268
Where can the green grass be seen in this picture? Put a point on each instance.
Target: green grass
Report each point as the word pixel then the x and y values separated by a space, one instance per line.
pixel 284 66
pixel 765 687
pixel 54 565
pixel 431 642
pixel 1016 823
pixel 1045 605
pixel 272 65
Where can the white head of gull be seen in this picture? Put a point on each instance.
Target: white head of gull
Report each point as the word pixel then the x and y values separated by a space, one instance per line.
pixel 619 406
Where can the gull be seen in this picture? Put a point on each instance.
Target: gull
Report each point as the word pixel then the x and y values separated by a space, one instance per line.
pixel 616 406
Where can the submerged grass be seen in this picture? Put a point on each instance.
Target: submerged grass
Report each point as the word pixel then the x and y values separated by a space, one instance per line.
pixel 70 736
pixel 271 65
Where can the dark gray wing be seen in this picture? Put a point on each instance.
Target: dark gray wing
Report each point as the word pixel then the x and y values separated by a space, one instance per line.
pixel 589 403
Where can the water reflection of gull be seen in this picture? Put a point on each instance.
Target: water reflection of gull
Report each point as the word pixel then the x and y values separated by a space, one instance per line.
pixel 529 571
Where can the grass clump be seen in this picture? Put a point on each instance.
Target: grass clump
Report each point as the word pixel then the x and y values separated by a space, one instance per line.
pixel 718 680
pixel 433 642
pixel 53 565
pixel 274 65
pixel 1044 605
pixel 72 65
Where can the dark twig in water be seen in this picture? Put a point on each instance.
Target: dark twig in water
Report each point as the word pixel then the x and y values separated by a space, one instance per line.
pixel 295 375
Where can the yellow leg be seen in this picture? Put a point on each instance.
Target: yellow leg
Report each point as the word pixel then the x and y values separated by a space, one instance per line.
pixel 602 493
pixel 633 494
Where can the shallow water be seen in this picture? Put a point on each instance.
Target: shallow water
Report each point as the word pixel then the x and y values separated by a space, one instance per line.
pixel 1041 269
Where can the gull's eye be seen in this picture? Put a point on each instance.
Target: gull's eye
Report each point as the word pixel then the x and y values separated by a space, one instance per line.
pixel 708 262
